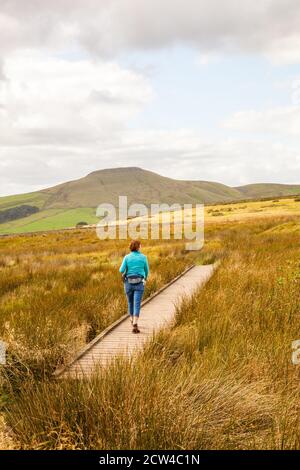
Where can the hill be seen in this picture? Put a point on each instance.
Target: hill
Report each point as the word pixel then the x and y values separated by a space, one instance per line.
pixel 68 203
pixel 260 190
pixel 139 185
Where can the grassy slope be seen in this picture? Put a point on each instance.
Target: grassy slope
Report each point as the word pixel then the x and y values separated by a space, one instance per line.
pixel 67 204
pixel 37 199
pixel 219 192
pixel 80 196
pixel 138 185
pixel 261 190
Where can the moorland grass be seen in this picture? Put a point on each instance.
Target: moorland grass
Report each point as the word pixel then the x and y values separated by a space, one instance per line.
pixel 58 291
pixel 220 378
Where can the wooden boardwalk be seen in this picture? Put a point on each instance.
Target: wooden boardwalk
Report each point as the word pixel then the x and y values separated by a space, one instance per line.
pixel 157 311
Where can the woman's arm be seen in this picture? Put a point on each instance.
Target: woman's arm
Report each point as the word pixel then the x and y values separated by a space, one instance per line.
pixel 146 267
pixel 123 268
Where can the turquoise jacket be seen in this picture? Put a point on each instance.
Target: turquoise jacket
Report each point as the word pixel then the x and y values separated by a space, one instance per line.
pixel 135 264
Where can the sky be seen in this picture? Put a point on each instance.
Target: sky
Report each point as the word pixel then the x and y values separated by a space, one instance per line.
pixel 190 89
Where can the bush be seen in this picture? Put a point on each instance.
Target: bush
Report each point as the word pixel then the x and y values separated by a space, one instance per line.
pixel 81 224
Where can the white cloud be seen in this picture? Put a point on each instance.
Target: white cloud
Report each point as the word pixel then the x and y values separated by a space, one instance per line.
pixel 54 112
pixel 284 50
pixel 65 105
pixel 60 120
pixel 206 59
pixel 283 121
pixel 46 100
pixel 179 154
pixel 109 26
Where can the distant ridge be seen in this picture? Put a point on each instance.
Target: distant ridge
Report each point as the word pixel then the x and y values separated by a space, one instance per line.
pixel 68 203
pixel 138 185
pixel 260 190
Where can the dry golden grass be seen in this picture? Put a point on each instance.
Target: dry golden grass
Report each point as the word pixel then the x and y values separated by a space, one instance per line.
pixel 220 378
pixel 60 290
pixel 245 211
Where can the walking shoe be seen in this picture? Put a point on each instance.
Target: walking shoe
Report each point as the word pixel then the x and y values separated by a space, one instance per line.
pixel 135 329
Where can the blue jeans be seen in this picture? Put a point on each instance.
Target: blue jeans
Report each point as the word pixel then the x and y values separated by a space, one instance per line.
pixel 134 293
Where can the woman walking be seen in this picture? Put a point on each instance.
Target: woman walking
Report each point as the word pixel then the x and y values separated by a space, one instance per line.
pixel 135 270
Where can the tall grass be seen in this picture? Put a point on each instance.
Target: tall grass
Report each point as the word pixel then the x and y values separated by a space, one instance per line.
pixel 58 291
pixel 220 378
pixel 144 405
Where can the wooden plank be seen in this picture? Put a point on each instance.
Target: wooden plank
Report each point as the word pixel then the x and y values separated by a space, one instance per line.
pixel 157 311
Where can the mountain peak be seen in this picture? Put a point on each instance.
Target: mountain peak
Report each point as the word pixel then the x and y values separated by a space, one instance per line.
pixel 119 170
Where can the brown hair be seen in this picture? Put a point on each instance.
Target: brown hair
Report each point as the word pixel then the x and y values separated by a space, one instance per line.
pixel 134 245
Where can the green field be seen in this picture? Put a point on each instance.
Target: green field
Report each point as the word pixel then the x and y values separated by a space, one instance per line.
pixel 50 219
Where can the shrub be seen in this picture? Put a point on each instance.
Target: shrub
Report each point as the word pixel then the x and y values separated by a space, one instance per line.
pixel 81 224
